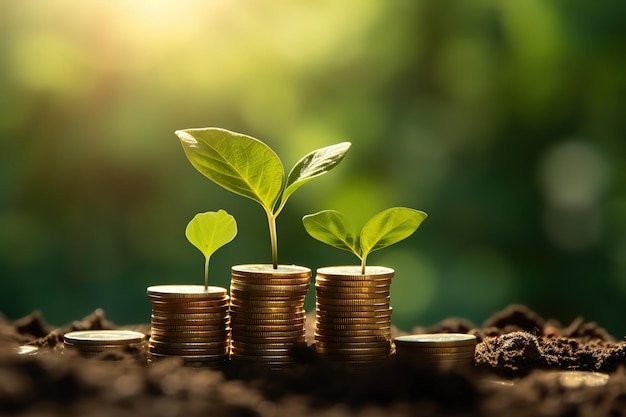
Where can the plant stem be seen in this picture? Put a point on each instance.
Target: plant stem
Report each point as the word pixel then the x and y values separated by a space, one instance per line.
pixel 271 218
pixel 206 274
pixel 363 264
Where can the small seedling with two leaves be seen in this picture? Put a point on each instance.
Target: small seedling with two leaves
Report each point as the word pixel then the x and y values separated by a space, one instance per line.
pixel 248 167
pixel 384 229
pixel 210 231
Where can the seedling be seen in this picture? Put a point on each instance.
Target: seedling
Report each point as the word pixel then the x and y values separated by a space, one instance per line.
pixel 248 167
pixel 384 229
pixel 210 231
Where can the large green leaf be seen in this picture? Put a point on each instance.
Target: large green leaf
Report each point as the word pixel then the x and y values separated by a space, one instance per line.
pixel 239 163
pixel 313 165
pixel 388 227
pixel 210 231
pixel 329 226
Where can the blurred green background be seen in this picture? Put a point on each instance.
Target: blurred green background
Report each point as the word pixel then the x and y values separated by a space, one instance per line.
pixel 503 120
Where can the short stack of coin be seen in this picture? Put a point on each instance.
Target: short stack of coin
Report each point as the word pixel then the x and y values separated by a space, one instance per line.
pixel 443 350
pixel 94 343
pixel 190 322
pixel 267 313
pixel 353 314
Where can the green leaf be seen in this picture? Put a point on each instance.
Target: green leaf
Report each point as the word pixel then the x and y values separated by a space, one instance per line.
pixel 388 227
pixel 210 231
pixel 314 164
pixel 239 163
pixel 329 227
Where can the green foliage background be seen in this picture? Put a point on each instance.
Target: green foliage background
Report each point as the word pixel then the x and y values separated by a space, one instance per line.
pixel 503 120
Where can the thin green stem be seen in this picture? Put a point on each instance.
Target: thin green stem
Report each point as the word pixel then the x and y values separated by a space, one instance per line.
pixel 363 258
pixel 271 218
pixel 206 274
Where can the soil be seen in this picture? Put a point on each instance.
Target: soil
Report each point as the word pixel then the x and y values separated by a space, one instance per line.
pixel 521 363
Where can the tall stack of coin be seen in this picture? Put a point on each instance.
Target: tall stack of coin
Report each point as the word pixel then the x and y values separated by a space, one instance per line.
pixel 267 313
pixel 353 315
pixel 94 343
pixel 191 322
pixel 444 350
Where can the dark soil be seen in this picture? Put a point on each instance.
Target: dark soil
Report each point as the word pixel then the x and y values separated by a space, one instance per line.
pixel 518 361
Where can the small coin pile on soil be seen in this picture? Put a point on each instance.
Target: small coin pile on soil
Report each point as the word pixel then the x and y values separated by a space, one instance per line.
pixel 94 343
pixel 267 313
pixel 353 315
pixel 191 322
pixel 443 350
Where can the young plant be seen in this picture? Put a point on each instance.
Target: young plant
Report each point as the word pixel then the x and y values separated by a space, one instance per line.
pixel 248 167
pixel 210 231
pixel 384 229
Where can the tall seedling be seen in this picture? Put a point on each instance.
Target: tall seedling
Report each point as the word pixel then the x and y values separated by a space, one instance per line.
pixel 248 167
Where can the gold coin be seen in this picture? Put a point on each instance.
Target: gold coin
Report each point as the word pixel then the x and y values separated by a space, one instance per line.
pixel 103 337
pixel 349 358
pixel 184 309
pixel 319 289
pixel 263 358
pixel 341 285
pixel 267 295
pixel 353 351
pixel 325 327
pixel 327 307
pixel 268 318
pixel 351 320
pixel 262 332
pixel 360 336
pixel 256 346
pixel 187 291
pixel 268 306
pixel 262 351
pixel 382 313
pixel 283 327
pixel 270 339
pixel 351 272
pixel 287 288
pixel 267 271
pixel 241 324
pixel 436 340
pixel 93 348
pixel 185 304
pixel 340 297
pixel 200 330
pixel 188 345
pixel 353 301
pixel 346 342
pixel 190 316
pixel 576 379
pixel 383 331
pixel 260 310
pixel 437 350
pixel 207 351
pixel 189 322
pixel 270 281
pixel 433 356
pixel 27 350
pixel 190 339
pixel 192 358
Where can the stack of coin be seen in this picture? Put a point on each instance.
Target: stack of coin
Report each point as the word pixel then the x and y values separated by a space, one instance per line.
pixel 267 313
pixel 93 343
pixel 190 322
pixel 353 315
pixel 444 350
